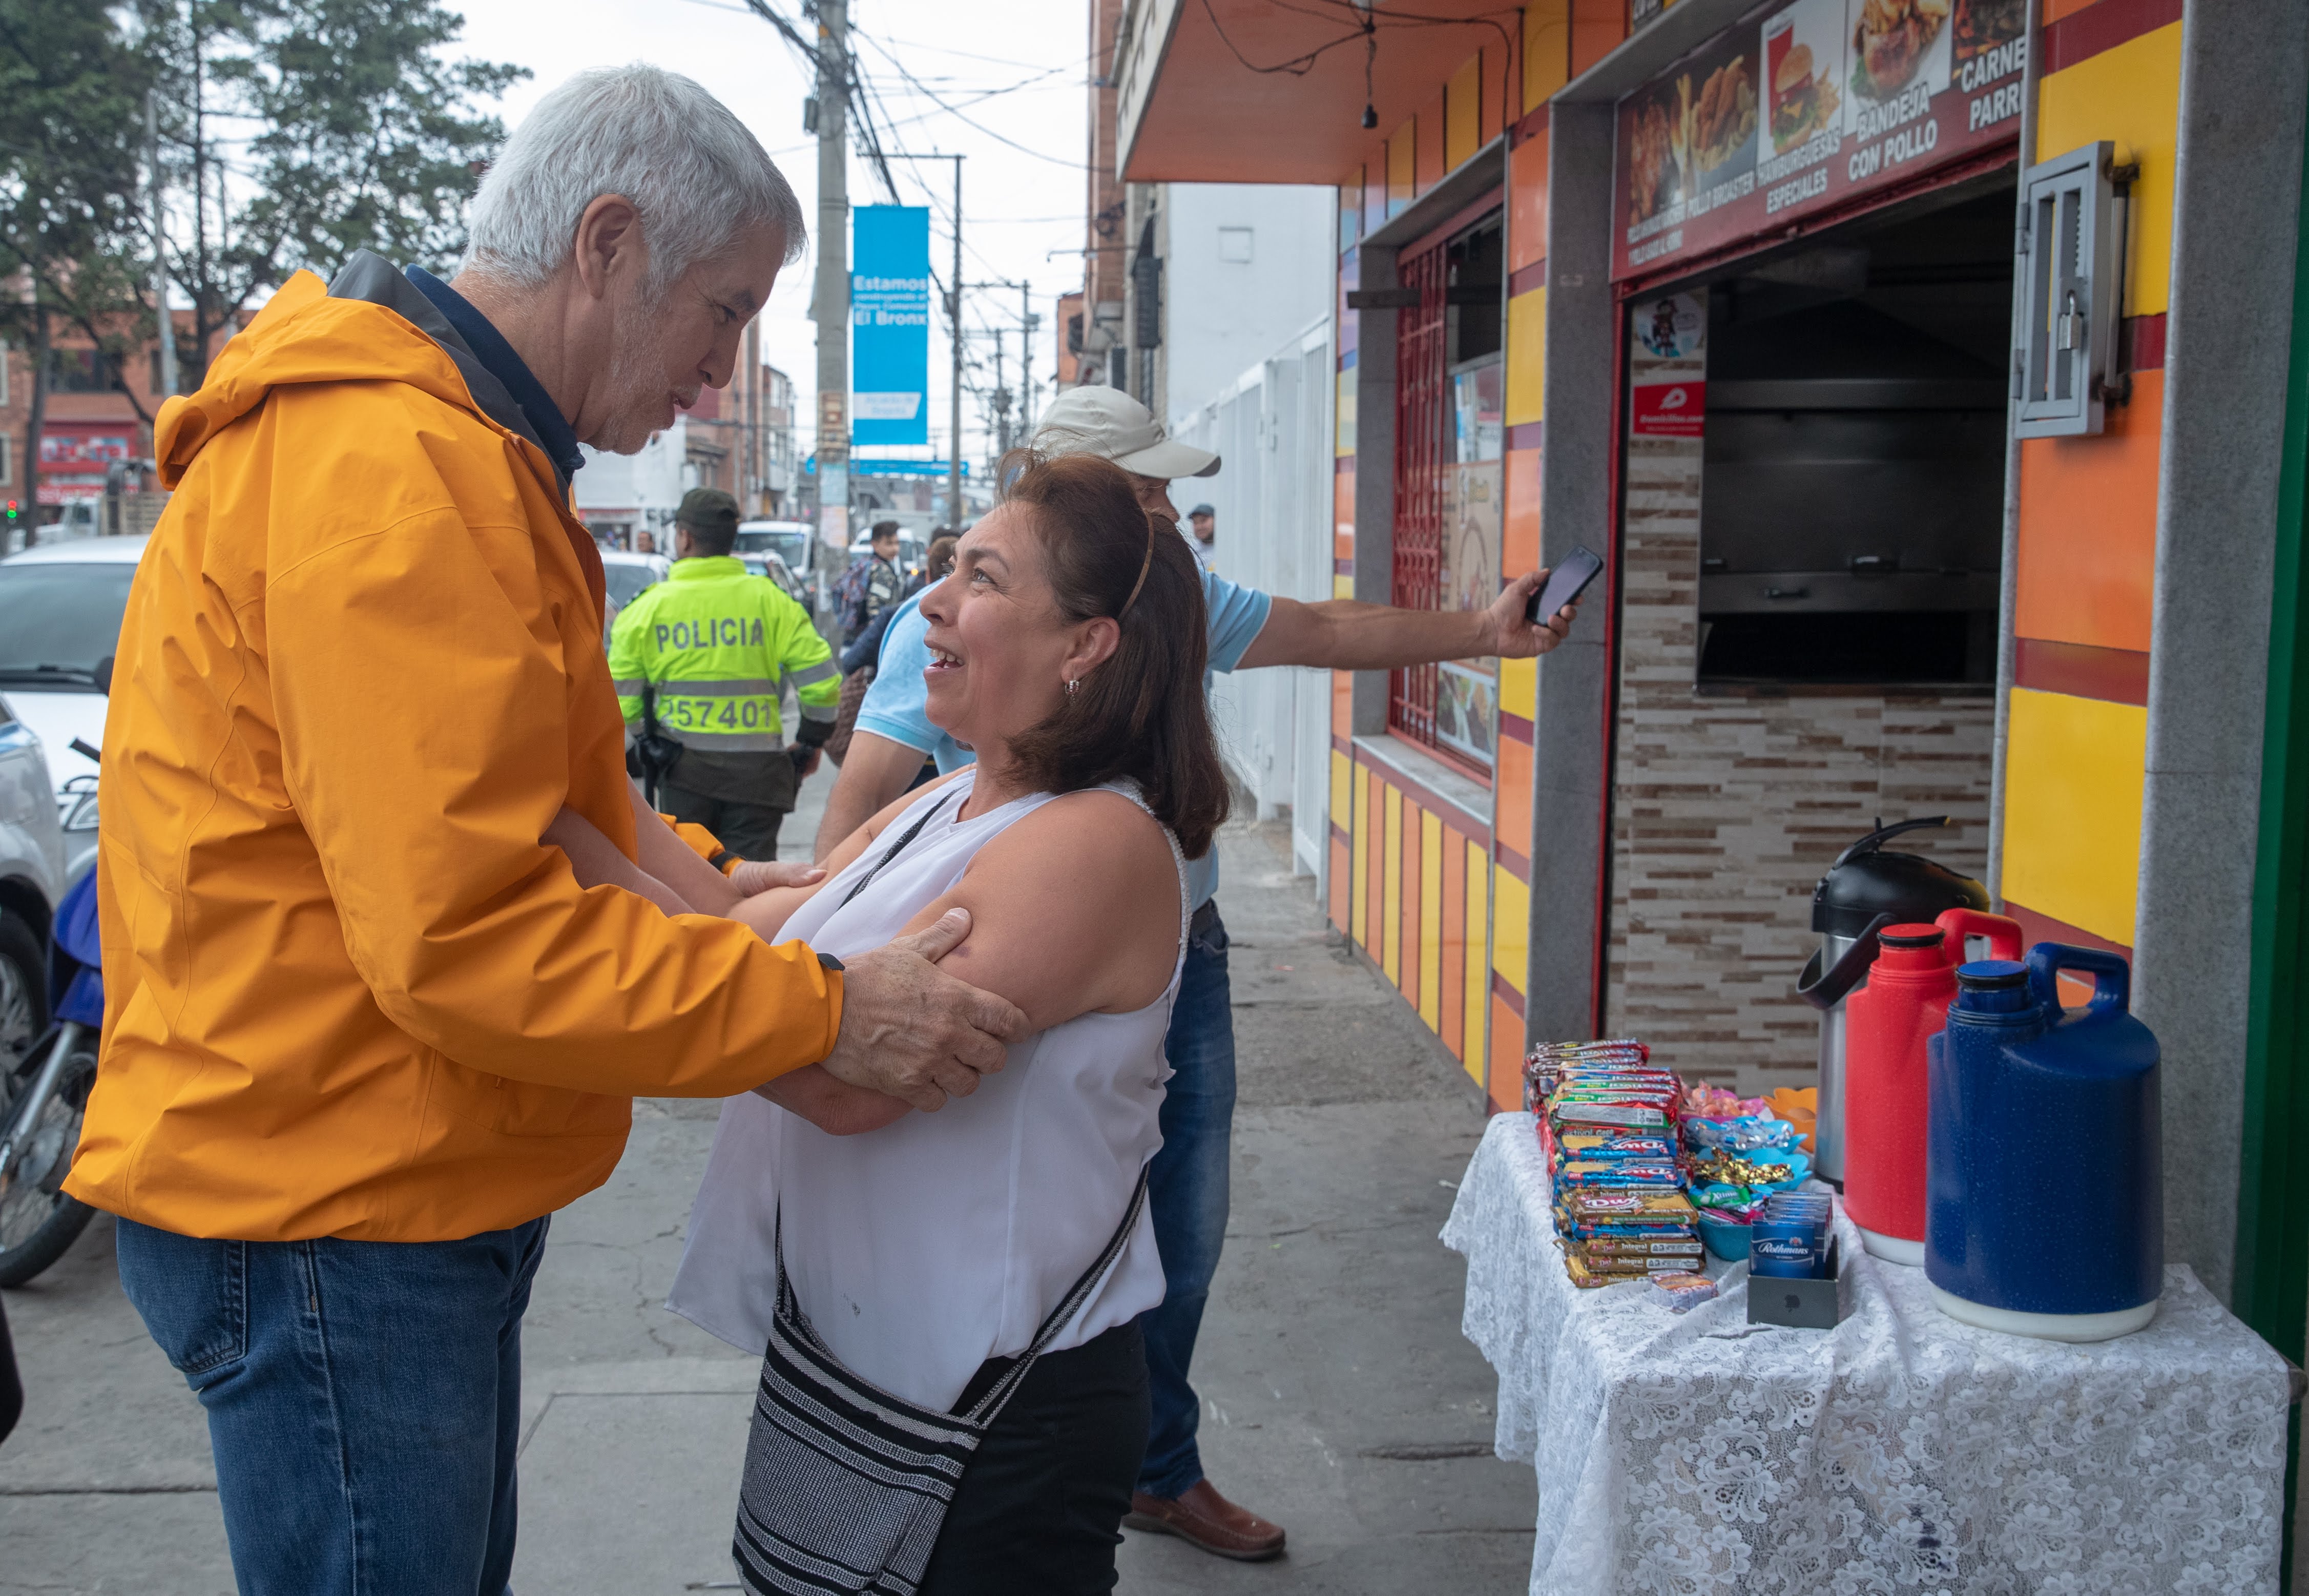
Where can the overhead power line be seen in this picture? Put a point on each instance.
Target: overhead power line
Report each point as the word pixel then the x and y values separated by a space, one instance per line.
pixel 932 95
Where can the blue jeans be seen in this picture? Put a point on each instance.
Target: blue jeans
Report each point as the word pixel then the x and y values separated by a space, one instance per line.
pixel 364 1400
pixel 1187 1190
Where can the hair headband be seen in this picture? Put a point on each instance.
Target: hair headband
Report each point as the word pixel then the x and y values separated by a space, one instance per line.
pixel 1145 566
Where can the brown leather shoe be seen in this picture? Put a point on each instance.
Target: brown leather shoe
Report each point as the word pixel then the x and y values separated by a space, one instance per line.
pixel 1204 1518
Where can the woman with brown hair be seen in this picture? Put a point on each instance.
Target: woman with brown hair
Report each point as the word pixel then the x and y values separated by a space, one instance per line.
pixel 925 1257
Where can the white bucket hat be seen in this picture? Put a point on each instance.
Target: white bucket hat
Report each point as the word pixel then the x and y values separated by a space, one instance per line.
pixel 1111 424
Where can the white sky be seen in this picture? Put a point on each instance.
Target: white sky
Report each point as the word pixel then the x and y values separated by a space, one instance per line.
pixel 1016 208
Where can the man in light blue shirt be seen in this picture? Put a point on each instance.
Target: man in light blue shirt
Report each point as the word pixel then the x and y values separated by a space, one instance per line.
pixel 1187 1187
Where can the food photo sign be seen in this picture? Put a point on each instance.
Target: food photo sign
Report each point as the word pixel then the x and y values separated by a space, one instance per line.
pixel 1801 107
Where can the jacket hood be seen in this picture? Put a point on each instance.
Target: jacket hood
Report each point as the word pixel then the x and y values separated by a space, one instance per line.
pixel 370 324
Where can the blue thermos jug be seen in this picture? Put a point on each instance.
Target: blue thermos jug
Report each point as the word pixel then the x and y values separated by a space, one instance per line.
pixel 2044 1202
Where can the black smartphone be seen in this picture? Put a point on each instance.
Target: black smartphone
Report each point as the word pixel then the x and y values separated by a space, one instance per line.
pixel 1565 583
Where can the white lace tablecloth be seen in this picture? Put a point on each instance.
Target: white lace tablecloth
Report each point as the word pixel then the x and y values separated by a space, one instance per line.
pixel 1901 1451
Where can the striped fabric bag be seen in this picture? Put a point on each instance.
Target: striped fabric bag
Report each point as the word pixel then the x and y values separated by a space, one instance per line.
pixel 845 1485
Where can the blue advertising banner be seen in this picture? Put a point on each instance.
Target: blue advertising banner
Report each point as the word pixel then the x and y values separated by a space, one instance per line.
pixel 890 326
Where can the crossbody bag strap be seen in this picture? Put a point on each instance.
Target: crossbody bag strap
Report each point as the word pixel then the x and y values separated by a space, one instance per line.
pixel 1068 1306
pixel 912 832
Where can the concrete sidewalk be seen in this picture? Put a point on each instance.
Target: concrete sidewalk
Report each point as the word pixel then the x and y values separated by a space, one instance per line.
pixel 1340 1399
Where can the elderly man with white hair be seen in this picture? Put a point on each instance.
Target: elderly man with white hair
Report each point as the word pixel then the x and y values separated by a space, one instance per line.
pixel 364 1030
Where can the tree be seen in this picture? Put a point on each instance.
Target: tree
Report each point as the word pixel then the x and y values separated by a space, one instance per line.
pixel 71 113
pixel 295 132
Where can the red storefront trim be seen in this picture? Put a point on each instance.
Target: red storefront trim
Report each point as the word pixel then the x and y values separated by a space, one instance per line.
pixel 1507 994
pixel 2113 675
pixel 2142 344
pixel 2103 26
pixel 1989 160
pixel 1513 862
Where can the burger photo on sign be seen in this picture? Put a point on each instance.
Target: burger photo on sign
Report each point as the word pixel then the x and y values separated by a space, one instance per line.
pixel 1803 104
pixel 1890 41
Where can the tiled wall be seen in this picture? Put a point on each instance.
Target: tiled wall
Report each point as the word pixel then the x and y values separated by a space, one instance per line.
pixel 2079 717
pixel 1725 811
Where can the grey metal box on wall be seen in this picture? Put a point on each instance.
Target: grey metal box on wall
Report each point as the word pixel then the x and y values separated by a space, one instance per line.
pixel 2071 280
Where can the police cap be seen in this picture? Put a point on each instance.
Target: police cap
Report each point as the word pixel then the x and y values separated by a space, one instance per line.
pixel 708 511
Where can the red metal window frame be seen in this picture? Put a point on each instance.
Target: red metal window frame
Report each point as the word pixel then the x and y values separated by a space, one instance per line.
pixel 1416 582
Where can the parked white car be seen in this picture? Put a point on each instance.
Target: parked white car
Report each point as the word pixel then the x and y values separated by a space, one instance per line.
pixel 31 886
pixel 60 609
pixel 627 576
pixel 790 541
pixel 781 573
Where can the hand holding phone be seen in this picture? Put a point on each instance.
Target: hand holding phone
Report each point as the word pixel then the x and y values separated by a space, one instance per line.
pixel 1564 584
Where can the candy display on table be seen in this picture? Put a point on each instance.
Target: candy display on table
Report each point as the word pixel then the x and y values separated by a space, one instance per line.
pixel 1738 1152
pixel 1607 1118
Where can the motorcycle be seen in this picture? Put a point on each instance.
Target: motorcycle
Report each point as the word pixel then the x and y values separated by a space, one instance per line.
pixel 43 1096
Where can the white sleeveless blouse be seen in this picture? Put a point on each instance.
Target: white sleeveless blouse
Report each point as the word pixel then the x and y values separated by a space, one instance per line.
pixel 921 1250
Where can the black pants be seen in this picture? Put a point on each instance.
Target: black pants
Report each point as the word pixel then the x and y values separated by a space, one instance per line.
pixel 1041 1505
pixel 749 831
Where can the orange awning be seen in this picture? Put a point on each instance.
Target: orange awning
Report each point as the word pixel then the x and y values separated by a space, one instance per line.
pixel 1194 109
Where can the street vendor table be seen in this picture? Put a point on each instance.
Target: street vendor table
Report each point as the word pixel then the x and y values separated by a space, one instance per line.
pixel 1900 1451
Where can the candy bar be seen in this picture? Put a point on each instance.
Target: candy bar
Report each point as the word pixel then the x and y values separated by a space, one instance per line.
pixel 1605 1246
pixel 1682 1292
pixel 1615 1173
pixel 1634 1115
pixel 1661 1207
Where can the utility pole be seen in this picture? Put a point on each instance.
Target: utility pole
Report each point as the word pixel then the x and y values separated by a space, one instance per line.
pixel 1000 399
pixel 831 309
pixel 1027 381
pixel 954 323
pixel 166 324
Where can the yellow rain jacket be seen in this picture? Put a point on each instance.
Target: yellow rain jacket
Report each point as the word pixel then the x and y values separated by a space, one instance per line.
pixel 348 993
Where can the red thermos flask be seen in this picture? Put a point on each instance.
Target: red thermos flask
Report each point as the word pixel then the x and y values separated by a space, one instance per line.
pixel 1888 1022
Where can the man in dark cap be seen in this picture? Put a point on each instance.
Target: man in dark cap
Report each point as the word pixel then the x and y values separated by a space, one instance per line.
pixel 1204 521
pixel 705 655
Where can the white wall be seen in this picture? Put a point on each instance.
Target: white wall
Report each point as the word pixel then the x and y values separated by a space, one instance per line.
pixel 1222 316
pixel 651 480
pixel 1250 271
pixel 1273 428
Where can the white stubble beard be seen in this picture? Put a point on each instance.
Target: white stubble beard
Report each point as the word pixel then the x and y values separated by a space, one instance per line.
pixel 635 385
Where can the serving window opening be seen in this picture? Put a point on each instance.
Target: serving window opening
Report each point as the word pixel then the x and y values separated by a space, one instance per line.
pixel 1852 480
pixel 1450 445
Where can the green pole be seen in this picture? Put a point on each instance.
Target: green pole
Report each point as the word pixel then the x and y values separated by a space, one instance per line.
pixel 2272 1252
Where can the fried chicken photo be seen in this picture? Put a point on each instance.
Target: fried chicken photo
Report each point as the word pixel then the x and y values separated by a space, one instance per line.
pixel 1725 115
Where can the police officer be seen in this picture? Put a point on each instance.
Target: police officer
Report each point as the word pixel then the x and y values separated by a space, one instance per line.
pixel 704 657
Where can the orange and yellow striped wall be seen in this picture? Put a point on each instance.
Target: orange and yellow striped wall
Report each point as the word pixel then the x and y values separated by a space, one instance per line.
pixel 2078 717
pixel 1436 895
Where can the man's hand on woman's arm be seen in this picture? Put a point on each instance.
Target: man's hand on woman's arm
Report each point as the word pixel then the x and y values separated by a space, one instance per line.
pixel 911 1031
pixel 911 1035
